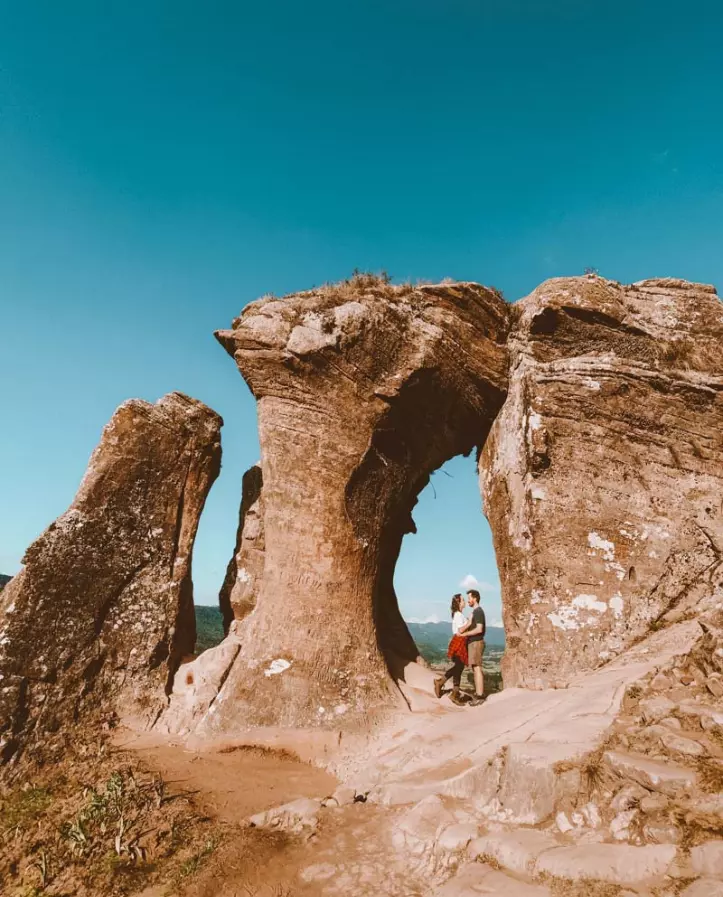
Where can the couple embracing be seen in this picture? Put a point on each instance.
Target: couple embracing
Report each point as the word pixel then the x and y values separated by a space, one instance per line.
pixel 466 648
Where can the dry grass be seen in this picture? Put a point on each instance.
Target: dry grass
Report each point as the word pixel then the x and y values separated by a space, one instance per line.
pixel 562 887
pixel 710 775
pixel 241 867
pixel 680 353
pixel 686 355
pixel 379 284
pixel 98 825
pixel 716 736
pixel 592 774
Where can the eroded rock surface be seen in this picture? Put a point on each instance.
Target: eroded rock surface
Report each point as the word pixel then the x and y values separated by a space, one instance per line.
pixel 245 570
pixel 101 614
pixel 603 474
pixel 363 390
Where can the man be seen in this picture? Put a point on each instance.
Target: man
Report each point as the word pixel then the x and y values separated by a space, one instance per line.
pixel 475 636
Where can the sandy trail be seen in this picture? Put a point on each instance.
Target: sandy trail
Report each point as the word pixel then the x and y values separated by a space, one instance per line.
pixel 233 783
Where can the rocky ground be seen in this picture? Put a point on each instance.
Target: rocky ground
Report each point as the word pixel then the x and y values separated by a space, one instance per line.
pixel 639 812
pixel 610 788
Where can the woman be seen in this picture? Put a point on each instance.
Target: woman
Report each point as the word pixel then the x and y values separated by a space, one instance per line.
pixel 457 651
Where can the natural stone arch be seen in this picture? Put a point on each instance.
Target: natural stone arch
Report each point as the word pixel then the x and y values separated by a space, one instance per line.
pixel 363 389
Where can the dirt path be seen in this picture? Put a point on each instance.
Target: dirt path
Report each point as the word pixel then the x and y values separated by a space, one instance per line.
pixel 232 784
pixel 350 854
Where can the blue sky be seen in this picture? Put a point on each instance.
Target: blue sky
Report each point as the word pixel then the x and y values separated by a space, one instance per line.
pixel 163 163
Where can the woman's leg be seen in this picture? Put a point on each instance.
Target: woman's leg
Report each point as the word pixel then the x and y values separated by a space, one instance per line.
pixel 452 671
pixel 441 681
pixel 457 671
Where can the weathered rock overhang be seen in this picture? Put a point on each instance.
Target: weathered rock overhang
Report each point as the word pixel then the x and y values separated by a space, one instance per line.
pixel 363 390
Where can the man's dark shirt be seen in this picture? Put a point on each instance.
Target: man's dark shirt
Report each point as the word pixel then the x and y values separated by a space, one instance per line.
pixel 478 619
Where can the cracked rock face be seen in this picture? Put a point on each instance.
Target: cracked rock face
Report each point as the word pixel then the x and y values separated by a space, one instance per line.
pixel 603 475
pixel 363 390
pixel 101 614
pixel 245 570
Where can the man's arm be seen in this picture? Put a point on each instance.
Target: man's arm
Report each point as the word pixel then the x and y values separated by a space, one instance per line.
pixel 476 631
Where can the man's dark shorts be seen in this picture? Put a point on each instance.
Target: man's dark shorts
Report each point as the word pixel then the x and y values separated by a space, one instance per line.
pixel 475 651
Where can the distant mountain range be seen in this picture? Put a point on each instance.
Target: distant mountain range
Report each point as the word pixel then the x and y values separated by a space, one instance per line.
pixel 431 638
pixel 4 580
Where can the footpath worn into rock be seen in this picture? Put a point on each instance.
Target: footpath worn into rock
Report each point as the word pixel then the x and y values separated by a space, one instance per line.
pixel 534 792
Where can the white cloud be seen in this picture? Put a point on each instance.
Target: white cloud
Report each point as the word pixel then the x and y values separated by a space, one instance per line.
pixel 433 618
pixel 496 623
pixel 471 582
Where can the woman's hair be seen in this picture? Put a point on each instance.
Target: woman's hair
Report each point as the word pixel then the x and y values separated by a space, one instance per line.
pixel 457 603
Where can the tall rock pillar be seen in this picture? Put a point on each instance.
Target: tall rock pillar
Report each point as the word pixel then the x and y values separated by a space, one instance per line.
pixel 603 475
pixel 99 618
pixel 363 390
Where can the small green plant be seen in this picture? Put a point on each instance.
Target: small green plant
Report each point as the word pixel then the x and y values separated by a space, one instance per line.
pixel 75 835
pixel 43 866
pixel 194 863
pixel 22 807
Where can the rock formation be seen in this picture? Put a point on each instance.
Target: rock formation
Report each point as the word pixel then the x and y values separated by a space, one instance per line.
pixel 603 475
pixel 601 478
pixel 101 614
pixel 363 389
pixel 245 570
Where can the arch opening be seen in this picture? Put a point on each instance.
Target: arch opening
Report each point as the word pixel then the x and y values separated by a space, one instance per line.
pixel 449 550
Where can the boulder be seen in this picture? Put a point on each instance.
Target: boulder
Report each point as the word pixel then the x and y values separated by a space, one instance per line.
pixel 532 785
pixel 476 880
pixel 603 473
pixel 456 837
pixel 100 617
pixel 707 859
pixel 656 708
pixel 418 829
pixel 671 779
pixel 237 597
pixel 618 864
pixel 293 817
pixel 514 850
